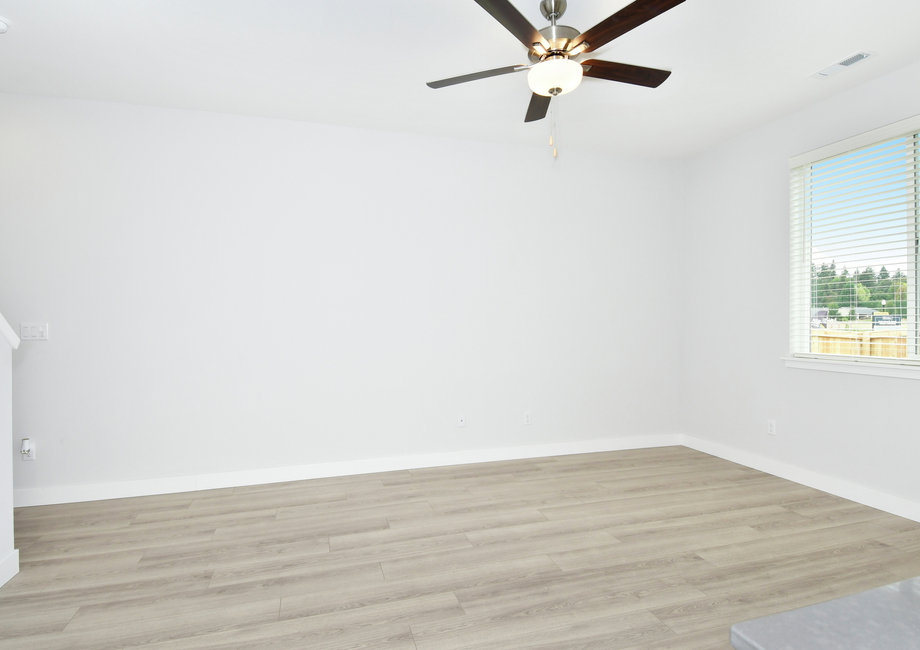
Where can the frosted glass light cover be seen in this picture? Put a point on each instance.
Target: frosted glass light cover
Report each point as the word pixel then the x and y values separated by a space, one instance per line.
pixel 563 74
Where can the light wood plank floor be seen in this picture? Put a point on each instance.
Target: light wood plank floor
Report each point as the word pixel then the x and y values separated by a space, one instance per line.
pixel 660 549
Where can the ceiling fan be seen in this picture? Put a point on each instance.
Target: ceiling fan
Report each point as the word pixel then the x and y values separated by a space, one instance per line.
pixel 556 49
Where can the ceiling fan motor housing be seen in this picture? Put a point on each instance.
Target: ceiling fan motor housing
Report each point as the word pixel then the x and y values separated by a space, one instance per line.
pixel 558 37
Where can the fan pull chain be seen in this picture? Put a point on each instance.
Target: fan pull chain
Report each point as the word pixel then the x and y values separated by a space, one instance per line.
pixel 552 123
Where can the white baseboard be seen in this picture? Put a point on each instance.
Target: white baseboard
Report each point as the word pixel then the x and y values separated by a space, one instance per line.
pixel 838 487
pixel 101 491
pixel 96 492
pixel 9 566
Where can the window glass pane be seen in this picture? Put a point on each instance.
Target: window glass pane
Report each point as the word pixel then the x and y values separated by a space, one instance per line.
pixel 855 250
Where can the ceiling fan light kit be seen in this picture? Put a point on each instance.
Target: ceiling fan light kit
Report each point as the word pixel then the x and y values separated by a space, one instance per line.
pixel 555 50
pixel 554 76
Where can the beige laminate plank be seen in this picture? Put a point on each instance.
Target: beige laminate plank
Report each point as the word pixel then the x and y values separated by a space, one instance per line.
pixel 23 622
pixel 908 540
pixel 223 515
pixel 70 526
pixel 651 546
pixel 551 528
pixel 445 561
pixel 543 630
pixel 64 593
pixel 465 503
pixel 820 565
pixel 746 495
pixel 716 638
pixel 477 470
pixel 78 565
pixel 546 544
pixel 354 595
pixel 755 518
pixel 111 634
pixel 153 605
pixel 227 553
pixel 905 567
pixel 789 545
pixel 298 634
pixel 837 517
pixel 555 488
pixel 587 594
pixel 599 469
pixel 29 582
pixel 299 529
pixel 394 549
pixel 693 616
pixel 298 569
pixel 460 522
pixel 672 482
pixel 85 546
pixel 266 500
pixel 896 524
pixel 352 512
pixel 413 610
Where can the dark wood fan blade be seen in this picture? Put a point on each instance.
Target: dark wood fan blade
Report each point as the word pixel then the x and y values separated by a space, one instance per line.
pixel 626 19
pixel 512 20
pixel 537 108
pixel 623 72
pixel 475 75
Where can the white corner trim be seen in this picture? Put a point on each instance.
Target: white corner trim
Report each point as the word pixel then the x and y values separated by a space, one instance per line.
pixel 9 566
pixel 7 333
pixel 100 491
pixel 838 487
pixel 854 367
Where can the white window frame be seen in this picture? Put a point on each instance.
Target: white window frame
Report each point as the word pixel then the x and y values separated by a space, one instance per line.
pixel 799 261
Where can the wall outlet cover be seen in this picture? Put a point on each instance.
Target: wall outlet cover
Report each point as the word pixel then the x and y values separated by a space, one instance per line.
pixel 33 331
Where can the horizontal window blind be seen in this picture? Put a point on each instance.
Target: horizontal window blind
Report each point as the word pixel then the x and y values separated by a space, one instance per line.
pixel 854 254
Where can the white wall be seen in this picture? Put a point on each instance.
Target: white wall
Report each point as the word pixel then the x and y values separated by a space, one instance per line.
pixel 229 293
pixel 853 428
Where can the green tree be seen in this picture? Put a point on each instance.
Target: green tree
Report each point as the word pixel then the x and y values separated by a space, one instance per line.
pixel 883 289
pixel 867 278
pixel 823 284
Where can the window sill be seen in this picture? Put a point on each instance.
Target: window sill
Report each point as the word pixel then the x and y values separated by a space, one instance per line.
pixel 854 367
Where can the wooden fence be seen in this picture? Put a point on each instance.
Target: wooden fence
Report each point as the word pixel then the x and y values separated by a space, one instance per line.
pixel 873 343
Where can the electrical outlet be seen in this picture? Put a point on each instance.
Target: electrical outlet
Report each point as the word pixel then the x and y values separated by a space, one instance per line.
pixel 461 420
pixel 771 427
pixel 28 449
pixel 526 417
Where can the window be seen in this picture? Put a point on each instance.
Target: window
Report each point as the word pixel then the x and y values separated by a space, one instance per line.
pixel 854 249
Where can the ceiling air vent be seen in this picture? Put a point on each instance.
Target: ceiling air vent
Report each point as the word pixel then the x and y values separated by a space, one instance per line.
pixel 840 66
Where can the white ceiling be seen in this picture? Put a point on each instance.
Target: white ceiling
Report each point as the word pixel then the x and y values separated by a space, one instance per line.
pixel 736 63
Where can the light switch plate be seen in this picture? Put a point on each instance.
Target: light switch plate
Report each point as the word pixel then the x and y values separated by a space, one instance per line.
pixel 33 331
